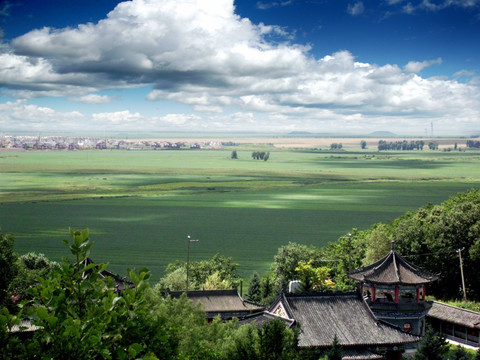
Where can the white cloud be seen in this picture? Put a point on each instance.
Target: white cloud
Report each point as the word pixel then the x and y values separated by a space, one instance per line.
pixel 201 54
pixel 356 9
pixel 416 66
pixel 93 99
pixel 19 115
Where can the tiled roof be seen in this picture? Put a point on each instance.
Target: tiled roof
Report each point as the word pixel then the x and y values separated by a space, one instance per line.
pixel 321 317
pixel 121 283
pixel 264 317
pixel 454 315
pixel 392 269
pixel 217 301
pixel 360 354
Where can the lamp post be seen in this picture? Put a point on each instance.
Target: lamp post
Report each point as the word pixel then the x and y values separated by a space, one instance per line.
pixel 461 273
pixel 188 256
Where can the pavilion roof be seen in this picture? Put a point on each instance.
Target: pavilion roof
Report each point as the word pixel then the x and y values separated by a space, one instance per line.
pixel 392 269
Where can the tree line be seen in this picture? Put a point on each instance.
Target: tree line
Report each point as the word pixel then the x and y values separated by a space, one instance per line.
pixel 473 144
pixel 402 145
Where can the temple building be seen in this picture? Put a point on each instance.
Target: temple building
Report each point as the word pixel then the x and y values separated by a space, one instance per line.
pixel 395 291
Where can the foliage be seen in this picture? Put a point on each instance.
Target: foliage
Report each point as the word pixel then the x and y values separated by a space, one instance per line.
pixel 234 155
pixel 363 144
pixel 343 256
pixel 431 238
pixel 270 287
pixel 377 243
pixel 175 280
pixel 432 347
pixel 313 278
pixel 277 342
pixel 218 271
pixel 401 145
pixel 459 353
pixel 288 258
pixel 81 316
pixel 260 155
pixel 9 267
pixel 254 291
pixel 335 352
pixel 215 281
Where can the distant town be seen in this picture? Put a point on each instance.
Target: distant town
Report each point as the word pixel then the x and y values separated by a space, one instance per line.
pixel 86 143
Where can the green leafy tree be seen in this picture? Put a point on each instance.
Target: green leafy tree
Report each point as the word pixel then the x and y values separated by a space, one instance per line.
pixel 343 256
pixel 477 355
pixel 9 267
pixel 175 280
pixel 378 243
pixel 363 144
pixel 432 347
pixel 219 269
pixel 80 316
pixel 313 278
pixel 234 154
pixel 288 257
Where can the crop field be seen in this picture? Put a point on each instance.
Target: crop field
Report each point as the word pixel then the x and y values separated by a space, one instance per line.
pixel 141 205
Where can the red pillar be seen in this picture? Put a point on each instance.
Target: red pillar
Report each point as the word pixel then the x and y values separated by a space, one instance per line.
pixel 418 294
pixel 397 293
pixel 424 291
pixel 373 292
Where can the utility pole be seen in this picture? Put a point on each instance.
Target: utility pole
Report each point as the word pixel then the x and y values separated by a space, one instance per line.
pixel 188 256
pixel 461 272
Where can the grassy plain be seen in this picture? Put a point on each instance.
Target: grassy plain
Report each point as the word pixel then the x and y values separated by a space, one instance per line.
pixel 141 205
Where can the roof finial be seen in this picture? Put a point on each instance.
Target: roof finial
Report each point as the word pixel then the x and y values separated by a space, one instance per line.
pixel 393 245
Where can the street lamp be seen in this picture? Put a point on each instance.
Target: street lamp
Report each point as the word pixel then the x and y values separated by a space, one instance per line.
pixel 188 256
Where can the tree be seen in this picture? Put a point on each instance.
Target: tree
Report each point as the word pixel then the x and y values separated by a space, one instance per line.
pixel 335 352
pixel 363 144
pixel 9 266
pixel 288 257
pixel 312 278
pixel 277 342
pixel 459 353
pixel 220 270
pixel 432 347
pixel 234 154
pixel 378 244
pixel 254 293
pixel 80 315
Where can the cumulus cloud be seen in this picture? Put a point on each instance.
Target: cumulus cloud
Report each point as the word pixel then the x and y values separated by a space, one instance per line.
pixel 19 115
pixel 201 54
pixel 416 66
pixel 93 99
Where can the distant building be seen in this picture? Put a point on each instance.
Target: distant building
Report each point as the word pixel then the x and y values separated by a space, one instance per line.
pixel 224 303
pixel 457 324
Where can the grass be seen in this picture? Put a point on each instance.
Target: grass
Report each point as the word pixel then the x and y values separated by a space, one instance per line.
pixel 140 206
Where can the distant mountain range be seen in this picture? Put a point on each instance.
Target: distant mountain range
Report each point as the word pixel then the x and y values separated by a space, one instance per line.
pixel 375 134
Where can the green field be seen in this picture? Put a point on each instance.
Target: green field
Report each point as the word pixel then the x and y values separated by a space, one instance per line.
pixel 141 205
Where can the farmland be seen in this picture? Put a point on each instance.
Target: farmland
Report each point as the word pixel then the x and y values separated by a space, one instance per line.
pixel 141 205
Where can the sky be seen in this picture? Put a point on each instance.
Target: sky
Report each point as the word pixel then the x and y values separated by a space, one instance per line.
pixel 411 67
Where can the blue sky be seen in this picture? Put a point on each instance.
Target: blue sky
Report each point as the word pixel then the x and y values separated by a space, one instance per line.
pixel 217 65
